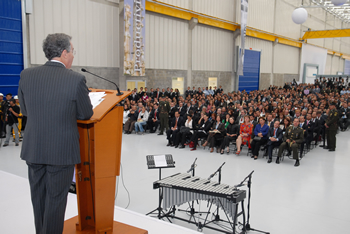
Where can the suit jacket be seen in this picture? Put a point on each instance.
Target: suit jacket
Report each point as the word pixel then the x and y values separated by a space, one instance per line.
pixel 180 122
pixel 279 133
pixel 53 98
pixel 151 115
pixel 183 110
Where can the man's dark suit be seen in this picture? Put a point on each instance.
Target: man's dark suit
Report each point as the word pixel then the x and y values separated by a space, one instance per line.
pixel 53 98
pixel 308 135
pixel 273 144
pixel 153 125
pixel 171 134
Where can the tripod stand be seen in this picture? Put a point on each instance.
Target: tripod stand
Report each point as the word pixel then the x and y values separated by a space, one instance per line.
pixel 191 206
pixel 247 227
pixel 154 162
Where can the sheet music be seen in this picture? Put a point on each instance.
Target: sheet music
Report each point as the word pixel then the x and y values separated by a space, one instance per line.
pixel 160 161
pixel 96 98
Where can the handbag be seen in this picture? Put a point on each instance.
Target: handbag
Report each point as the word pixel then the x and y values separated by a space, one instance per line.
pixel 184 129
pixel 257 138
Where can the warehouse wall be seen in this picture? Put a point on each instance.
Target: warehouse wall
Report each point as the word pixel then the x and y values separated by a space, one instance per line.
pixel 172 49
pixel 94 28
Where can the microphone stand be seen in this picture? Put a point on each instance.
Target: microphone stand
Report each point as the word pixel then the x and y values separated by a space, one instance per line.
pixel 118 94
pixel 217 216
pixel 247 227
pixel 192 210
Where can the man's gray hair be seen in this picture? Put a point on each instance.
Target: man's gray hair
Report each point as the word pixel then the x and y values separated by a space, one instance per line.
pixel 55 44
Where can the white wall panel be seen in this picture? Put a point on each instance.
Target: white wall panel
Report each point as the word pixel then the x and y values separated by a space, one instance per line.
pixel 283 21
pixel 286 59
pixel 256 19
pixel 336 44
pixel 166 42
pixel 328 68
pixel 179 3
pixel 223 9
pixel 266 52
pixel 93 26
pixel 212 49
pixel 335 65
pixel 341 64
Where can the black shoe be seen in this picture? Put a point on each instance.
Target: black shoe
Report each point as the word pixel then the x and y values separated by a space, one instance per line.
pixel 297 163
pixel 326 147
pixel 288 154
pixel 168 144
pixel 278 160
pixel 256 157
pixel 152 131
pixel 331 150
pixel 160 133
pixel 269 161
pixel 176 146
pixel 265 154
pixel 72 188
pixel 252 156
pixel 5 145
pixel 17 144
pixel 321 145
pixel 181 147
pixel 172 145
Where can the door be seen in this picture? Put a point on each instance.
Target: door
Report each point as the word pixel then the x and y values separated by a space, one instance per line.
pixel 213 82
pixel 135 84
pixel 251 71
pixel 11 48
pixel 178 83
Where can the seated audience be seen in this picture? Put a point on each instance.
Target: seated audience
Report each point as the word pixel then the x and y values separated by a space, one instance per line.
pixel 292 139
pixel 275 139
pixel 216 134
pixel 185 132
pixel 245 134
pixel 260 137
pixel 132 118
pixel 141 121
pixel 153 119
pixel 232 132
pixel 176 123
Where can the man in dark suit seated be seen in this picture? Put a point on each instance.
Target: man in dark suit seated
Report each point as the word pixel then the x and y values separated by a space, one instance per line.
pixel 53 97
pixel 275 137
pixel 175 126
pixel 308 127
pixel 182 109
pixel 153 119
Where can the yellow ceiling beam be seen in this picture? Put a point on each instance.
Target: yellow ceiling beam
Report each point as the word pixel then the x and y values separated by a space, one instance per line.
pixel 185 14
pixel 326 34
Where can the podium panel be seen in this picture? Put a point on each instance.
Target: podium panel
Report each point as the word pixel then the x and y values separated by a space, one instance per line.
pixel 100 153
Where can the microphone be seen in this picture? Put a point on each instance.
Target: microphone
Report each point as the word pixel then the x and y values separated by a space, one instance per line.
pixel 192 166
pixel 118 94
pixel 212 175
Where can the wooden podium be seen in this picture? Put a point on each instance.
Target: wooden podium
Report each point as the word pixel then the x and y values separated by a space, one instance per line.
pixel 100 152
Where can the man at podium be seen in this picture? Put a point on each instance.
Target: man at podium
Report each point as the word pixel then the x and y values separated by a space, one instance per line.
pixel 52 97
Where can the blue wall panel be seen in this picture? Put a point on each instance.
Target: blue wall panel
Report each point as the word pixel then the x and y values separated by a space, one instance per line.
pixel 11 48
pixel 251 71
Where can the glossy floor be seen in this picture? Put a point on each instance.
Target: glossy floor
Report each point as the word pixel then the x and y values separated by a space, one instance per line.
pixel 312 198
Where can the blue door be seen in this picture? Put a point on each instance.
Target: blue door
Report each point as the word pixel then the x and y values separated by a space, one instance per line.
pixel 251 71
pixel 11 49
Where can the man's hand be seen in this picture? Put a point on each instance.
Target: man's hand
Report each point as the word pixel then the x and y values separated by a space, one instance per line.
pixel 272 139
pixel 10 109
pixel 287 140
pixel 260 134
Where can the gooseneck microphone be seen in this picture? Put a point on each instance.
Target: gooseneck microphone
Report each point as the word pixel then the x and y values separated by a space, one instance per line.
pixel 118 94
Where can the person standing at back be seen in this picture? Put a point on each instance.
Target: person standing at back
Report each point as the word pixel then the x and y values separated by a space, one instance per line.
pixel 53 98
pixel 164 109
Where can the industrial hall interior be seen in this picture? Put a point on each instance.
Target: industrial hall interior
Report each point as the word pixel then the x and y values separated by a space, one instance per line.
pixel 175 116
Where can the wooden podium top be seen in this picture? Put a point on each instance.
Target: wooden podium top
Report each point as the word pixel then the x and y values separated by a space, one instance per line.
pixel 110 100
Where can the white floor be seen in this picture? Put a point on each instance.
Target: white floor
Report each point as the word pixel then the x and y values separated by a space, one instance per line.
pixel 313 198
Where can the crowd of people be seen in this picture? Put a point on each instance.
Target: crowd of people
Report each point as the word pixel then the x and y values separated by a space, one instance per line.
pixel 291 117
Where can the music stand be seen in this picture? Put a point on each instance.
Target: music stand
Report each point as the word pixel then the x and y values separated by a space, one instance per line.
pixel 159 162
